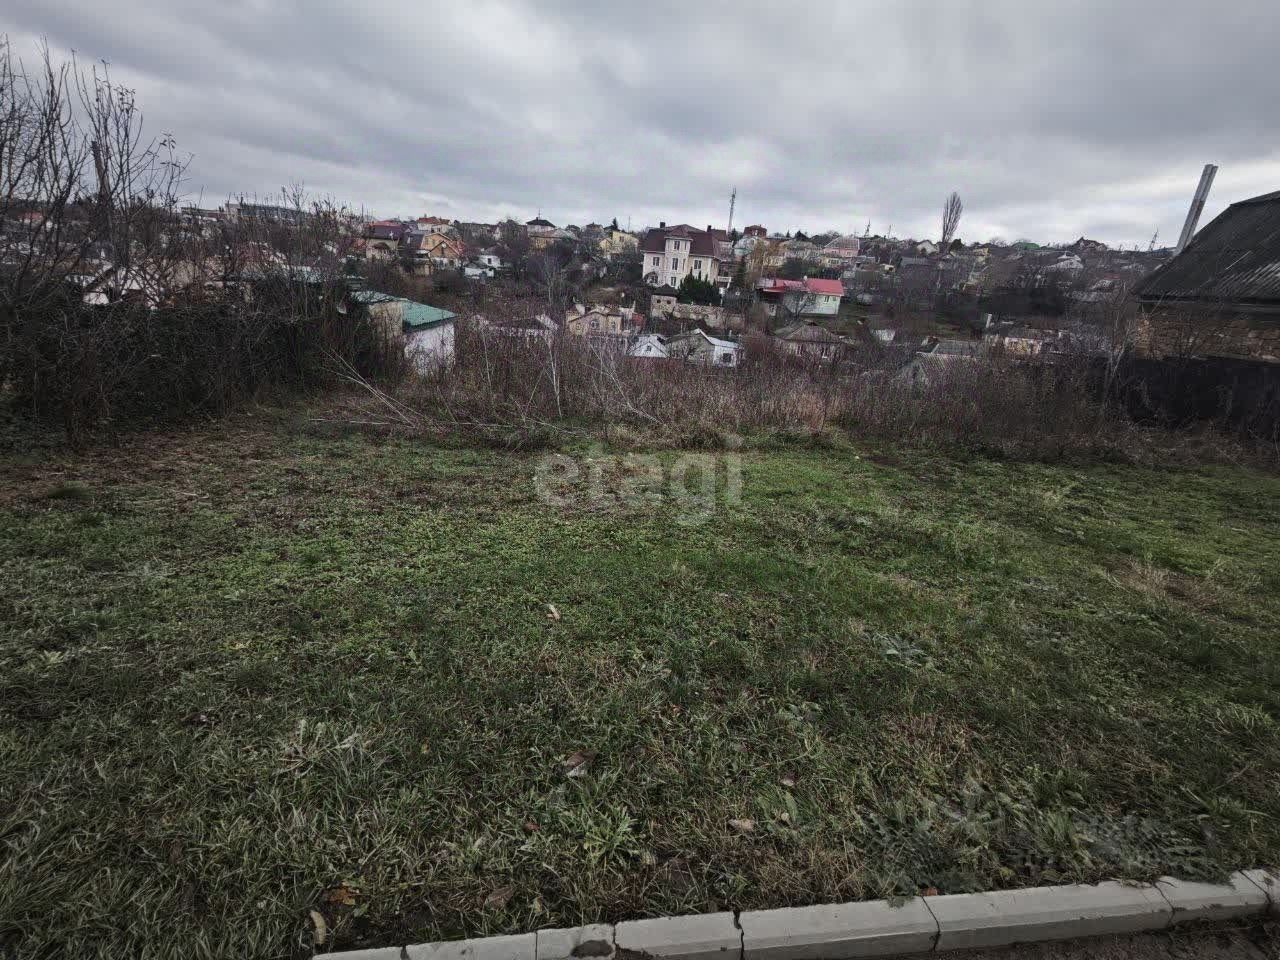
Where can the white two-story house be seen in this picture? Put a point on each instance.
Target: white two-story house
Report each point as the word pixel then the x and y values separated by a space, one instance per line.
pixel 673 253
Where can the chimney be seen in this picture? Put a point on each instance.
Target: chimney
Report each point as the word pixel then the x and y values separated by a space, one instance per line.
pixel 662 224
pixel 708 228
pixel 1197 207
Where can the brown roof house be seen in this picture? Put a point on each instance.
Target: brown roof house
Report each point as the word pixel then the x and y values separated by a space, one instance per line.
pixel 1220 297
pixel 673 253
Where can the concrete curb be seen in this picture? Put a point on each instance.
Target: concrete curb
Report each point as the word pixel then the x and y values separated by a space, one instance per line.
pixel 878 928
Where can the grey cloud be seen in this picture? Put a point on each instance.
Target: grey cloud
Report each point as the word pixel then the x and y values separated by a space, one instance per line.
pixel 1052 121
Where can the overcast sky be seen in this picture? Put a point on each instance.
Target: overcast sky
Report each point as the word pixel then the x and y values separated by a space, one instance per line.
pixel 1051 120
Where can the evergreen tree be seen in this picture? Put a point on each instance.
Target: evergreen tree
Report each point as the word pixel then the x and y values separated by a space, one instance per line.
pixel 694 290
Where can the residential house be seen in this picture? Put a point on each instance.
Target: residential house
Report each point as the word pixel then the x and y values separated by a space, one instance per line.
pixel 428 331
pixel 538 226
pixel 271 213
pixel 1086 246
pixel 548 238
pixel 755 230
pixel 845 249
pixel 1067 263
pixel 926 248
pixel 598 321
pixel 434 225
pixel 1221 295
pixel 539 327
pixel 1019 339
pixel 382 239
pixel 425 253
pixel 617 243
pixel 673 253
pixel 935 360
pixel 809 340
pixel 648 345
pixel 800 298
pixel 747 243
pixel 697 346
pixel 798 248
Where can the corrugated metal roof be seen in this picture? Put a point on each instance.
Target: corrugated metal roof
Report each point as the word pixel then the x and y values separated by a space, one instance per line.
pixel 414 315
pixel 1235 259
pixel 418 316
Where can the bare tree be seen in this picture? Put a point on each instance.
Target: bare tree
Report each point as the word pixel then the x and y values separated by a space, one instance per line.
pixel 951 211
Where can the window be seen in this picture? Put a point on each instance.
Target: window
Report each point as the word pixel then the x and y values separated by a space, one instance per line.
pixel 726 357
pixel 595 324
pixel 697 264
pixel 656 260
pixel 675 263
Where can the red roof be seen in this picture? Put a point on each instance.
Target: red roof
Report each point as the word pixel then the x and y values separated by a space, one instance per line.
pixel 811 285
pixel 832 287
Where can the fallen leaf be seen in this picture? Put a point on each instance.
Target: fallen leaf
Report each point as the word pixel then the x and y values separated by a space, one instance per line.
pixel 784 817
pixel 426 746
pixel 930 892
pixel 531 827
pixel 788 780
pixel 344 896
pixel 552 612
pixel 498 899
pixel 320 933
pixel 576 764
pixel 744 825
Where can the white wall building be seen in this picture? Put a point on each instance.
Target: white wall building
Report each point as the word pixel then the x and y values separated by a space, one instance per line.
pixel 672 253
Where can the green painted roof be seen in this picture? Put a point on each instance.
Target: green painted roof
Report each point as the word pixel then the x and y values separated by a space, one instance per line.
pixel 416 316
pixel 419 316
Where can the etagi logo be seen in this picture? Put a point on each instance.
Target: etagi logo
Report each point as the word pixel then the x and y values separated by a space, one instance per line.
pixel 688 487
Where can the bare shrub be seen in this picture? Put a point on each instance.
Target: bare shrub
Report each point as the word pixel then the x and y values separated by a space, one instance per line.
pixel 504 383
pixel 116 304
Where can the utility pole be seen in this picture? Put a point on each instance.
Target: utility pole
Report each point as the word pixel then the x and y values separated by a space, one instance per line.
pixel 733 199
pixel 1197 207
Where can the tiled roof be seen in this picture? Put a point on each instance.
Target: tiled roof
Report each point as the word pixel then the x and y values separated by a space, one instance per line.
pixel 701 242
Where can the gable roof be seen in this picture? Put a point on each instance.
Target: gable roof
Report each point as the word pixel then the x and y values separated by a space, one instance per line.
pixel 829 287
pixel 699 332
pixel 807 333
pixel 702 243
pixel 1235 258
pixel 538 222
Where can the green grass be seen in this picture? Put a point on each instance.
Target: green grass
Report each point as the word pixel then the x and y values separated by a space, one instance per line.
pixel 249 672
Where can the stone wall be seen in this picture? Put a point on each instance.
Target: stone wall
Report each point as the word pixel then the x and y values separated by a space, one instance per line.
pixel 1168 331
pixel 714 318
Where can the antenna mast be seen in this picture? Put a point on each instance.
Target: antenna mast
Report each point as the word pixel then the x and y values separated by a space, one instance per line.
pixel 733 199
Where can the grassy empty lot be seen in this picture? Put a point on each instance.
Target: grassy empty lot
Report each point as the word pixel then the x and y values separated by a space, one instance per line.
pixel 251 671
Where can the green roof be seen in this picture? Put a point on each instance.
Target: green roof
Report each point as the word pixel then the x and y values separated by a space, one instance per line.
pixel 416 316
